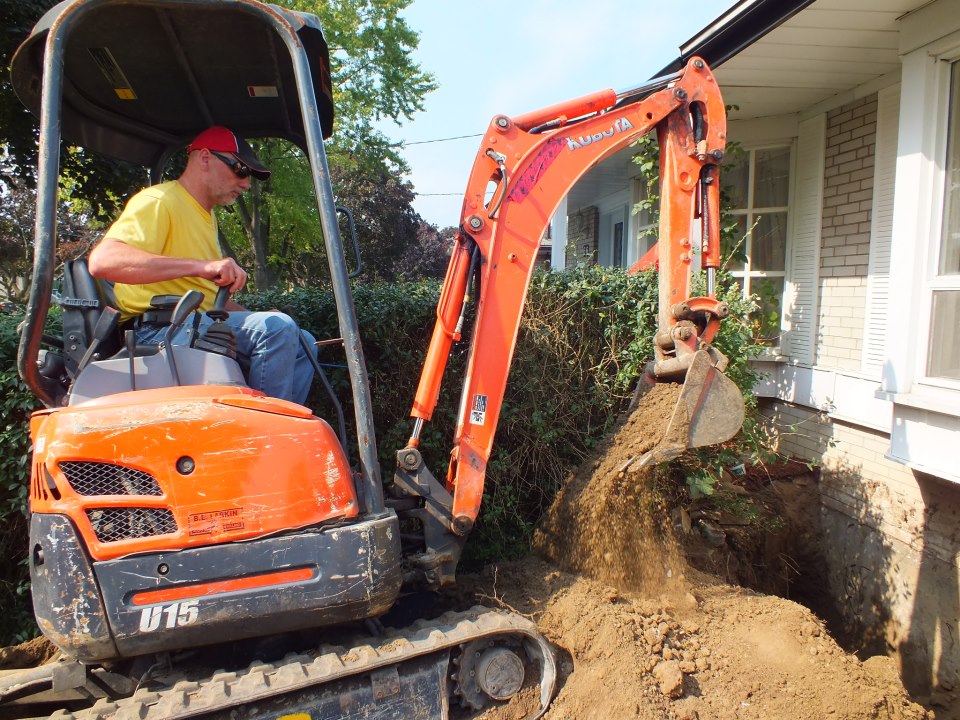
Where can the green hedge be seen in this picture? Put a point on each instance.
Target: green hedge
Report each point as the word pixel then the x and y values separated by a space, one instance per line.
pixel 585 335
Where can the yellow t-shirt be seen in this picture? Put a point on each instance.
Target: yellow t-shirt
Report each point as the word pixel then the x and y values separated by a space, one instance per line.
pixel 165 220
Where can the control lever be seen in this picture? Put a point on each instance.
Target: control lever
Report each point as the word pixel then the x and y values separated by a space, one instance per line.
pixel 105 325
pixel 219 337
pixel 184 309
pixel 130 341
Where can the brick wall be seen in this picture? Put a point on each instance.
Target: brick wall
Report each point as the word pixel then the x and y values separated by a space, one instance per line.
pixel 845 233
pixel 583 231
pixel 892 540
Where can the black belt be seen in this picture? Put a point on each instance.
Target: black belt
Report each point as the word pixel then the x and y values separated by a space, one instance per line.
pixel 154 318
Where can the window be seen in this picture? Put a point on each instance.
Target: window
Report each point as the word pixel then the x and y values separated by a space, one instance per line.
pixel 618 259
pixel 759 186
pixel 646 206
pixel 943 356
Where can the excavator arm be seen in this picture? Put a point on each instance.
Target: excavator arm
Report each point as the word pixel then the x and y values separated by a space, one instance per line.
pixel 524 168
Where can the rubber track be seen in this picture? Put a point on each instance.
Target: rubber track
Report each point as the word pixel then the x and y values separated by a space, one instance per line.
pixel 260 681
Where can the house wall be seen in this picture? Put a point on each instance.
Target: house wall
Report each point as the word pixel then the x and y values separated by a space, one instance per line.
pixel 845 233
pixel 891 538
pixel 891 534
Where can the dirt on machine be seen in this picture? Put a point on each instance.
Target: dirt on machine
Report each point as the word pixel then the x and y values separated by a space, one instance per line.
pixel 173 508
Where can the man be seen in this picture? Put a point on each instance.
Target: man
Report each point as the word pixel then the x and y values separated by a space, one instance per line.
pixel 165 243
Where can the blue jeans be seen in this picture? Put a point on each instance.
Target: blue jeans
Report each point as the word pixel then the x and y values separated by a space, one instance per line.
pixel 268 350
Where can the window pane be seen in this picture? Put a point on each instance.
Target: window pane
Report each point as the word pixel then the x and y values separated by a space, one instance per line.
pixel 646 210
pixel 945 335
pixel 768 246
pixel 737 251
pixel 734 179
pixel 618 259
pixel 771 177
pixel 950 237
pixel 769 291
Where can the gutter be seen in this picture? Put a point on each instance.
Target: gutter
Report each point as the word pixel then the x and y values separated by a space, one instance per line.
pixel 738 28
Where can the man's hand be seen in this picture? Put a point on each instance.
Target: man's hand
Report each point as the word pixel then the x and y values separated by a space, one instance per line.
pixel 225 272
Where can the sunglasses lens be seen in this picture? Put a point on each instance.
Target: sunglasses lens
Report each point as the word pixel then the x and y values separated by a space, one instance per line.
pixel 238 168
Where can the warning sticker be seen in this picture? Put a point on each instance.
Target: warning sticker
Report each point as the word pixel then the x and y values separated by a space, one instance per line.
pixel 215 521
pixel 256 91
pixel 112 72
pixel 478 414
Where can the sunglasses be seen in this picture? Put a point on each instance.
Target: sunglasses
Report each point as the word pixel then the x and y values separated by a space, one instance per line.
pixel 239 169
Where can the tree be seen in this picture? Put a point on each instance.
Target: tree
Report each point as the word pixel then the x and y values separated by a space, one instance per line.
pixel 386 222
pixel 373 72
pixel 374 77
pixel 429 256
pixel 77 231
pixel 17 126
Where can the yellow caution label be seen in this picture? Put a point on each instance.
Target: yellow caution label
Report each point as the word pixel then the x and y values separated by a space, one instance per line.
pixel 112 72
pixel 295 716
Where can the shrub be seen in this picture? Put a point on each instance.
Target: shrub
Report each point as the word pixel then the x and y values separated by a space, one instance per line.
pixel 16 404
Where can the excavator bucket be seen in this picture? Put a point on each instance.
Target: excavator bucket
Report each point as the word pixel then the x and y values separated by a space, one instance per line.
pixel 709 410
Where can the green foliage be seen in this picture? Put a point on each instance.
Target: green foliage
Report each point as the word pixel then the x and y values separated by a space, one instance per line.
pixel 16 404
pixel 99 183
pixel 374 74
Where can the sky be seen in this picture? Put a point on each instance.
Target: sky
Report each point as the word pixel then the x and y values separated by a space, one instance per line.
pixel 510 58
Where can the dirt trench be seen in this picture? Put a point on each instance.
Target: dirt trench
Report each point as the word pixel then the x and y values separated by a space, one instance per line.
pixel 643 633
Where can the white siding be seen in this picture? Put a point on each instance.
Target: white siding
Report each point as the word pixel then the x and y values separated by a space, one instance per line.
pixel 802 283
pixel 878 273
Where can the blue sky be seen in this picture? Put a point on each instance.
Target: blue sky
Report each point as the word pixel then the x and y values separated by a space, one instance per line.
pixel 513 57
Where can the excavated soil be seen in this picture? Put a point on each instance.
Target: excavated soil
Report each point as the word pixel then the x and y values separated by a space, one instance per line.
pixel 642 634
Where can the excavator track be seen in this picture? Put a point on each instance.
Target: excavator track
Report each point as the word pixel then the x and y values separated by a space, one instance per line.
pixel 286 688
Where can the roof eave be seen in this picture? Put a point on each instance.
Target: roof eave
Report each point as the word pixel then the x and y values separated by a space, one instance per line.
pixel 738 28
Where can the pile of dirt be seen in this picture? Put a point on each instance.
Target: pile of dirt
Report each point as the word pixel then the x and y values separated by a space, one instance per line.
pixel 717 652
pixel 606 523
pixel 31 653
pixel 643 634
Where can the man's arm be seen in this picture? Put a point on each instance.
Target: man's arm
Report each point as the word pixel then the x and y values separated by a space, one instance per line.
pixel 116 261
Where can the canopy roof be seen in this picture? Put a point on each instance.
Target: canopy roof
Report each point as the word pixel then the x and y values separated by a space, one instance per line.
pixel 143 77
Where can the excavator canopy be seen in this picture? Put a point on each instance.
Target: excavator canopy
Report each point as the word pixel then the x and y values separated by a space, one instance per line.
pixel 141 79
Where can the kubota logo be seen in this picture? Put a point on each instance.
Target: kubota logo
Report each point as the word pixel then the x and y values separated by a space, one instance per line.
pixel 621 125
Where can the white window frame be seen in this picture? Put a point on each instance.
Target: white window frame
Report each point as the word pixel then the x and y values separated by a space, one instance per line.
pixel 747 274
pixel 644 235
pixel 933 281
pixel 918 219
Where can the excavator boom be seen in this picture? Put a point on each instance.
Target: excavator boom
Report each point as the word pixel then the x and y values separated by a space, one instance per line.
pixel 531 162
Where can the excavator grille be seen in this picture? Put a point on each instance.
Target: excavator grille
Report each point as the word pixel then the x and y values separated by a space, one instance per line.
pixel 115 524
pixel 99 478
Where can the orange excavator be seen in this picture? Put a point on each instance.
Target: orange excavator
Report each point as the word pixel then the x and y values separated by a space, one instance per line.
pixel 173 509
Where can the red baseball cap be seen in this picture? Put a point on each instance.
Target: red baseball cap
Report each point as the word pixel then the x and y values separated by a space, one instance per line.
pixel 220 139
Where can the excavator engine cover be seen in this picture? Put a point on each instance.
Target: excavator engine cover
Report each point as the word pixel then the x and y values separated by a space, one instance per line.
pixel 170 518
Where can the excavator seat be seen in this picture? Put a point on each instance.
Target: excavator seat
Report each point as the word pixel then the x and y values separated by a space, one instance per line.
pixel 83 301
pixel 112 369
